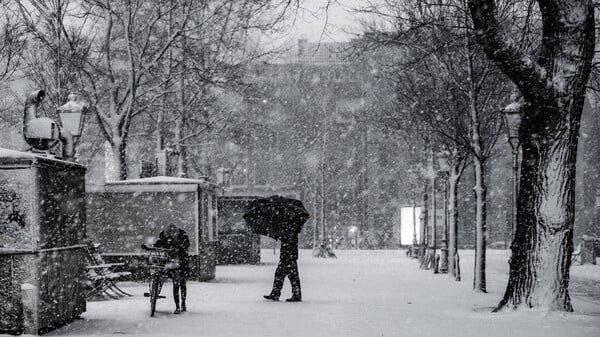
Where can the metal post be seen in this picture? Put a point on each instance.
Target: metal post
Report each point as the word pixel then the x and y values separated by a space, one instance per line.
pixel 415 241
pixel 315 224
pixel 512 121
pixel 424 228
pixel 515 167
pixel 433 247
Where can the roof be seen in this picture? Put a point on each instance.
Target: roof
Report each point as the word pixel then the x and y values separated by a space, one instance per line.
pixel 8 153
pixel 8 156
pixel 163 180
pixel 155 184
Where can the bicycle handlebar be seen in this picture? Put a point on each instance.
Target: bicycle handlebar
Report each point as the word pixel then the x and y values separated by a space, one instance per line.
pixel 160 249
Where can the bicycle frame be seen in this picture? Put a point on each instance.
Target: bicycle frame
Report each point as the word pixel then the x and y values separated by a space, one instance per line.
pixel 160 264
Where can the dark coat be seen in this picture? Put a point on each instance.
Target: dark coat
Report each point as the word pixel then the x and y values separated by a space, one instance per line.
pixel 289 248
pixel 180 243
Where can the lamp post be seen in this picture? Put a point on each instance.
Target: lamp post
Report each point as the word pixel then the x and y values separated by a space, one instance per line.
pixel 512 121
pixel 444 172
pixel 415 243
pixel 42 133
pixel 432 244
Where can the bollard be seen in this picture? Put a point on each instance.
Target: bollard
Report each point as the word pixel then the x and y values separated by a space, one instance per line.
pixel 436 264
pixel 457 267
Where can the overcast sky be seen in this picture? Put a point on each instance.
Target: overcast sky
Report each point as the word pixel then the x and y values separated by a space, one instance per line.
pixel 337 23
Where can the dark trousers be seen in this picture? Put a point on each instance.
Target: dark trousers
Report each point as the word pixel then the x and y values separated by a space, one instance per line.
pixel 179 285
pixel 287 268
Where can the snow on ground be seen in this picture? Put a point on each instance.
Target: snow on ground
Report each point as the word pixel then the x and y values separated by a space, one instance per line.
pixel 362 293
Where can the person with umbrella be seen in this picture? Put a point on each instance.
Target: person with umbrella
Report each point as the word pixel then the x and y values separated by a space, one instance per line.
pixel 287 266
pixel 282 219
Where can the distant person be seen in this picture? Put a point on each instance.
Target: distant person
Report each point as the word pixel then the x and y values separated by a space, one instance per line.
pixel 176 239
pixel 288 266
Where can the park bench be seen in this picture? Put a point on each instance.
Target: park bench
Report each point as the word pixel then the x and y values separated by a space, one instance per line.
pixel 102 278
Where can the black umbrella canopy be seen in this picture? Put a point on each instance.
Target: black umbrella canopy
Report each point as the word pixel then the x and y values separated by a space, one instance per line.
pixel 276 216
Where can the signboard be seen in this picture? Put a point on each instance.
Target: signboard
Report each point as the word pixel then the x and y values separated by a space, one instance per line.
pixel 408 224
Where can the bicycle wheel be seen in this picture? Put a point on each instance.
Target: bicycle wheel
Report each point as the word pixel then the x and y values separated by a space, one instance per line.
pixel 154 292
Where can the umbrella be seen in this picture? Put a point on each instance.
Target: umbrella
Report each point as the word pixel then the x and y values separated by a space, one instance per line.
pixel 276 216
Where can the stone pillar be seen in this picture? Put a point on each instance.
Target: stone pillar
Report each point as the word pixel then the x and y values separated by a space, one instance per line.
pixel 42 228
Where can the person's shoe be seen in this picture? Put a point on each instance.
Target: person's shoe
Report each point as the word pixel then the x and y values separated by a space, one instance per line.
pixel 294 298
pixel 183 307
pixel 177 311
pixel 271 297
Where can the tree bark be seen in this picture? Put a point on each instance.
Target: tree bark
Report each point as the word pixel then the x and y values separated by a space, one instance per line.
pixel 119 150
pixel 479 281
pixel 553 88
pixel 453 219
pixel 179 149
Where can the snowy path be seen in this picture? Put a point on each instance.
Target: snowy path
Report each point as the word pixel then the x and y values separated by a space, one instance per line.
pixel 367 293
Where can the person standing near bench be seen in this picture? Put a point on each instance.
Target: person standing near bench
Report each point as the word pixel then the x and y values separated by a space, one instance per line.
pixel 288 266
pixel 176 239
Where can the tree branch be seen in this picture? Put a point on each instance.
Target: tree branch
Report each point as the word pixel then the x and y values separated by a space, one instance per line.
pixel 522 69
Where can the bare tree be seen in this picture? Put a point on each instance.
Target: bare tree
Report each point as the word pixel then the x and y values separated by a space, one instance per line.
pixel 552 81
pixel 11 49
pixel 12 44
pixel 207 63
pixel 108 67
pixel 439 49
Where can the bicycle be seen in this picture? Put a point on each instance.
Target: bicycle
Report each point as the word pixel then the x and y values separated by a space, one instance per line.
pixel 160 263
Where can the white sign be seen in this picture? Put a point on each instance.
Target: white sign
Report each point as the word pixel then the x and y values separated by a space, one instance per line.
pixel 408 223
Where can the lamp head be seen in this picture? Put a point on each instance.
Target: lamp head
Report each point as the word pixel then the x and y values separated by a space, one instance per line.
pixel 72 115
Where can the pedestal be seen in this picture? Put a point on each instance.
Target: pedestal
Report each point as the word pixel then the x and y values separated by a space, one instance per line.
pixel 444 258
pixel 42 228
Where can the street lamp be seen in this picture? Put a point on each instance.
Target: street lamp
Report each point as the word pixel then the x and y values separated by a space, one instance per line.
pixel 223 174
pixel 512 121
pixel 415 242
pixel 72 115
pixel 42 133
pixel 444 172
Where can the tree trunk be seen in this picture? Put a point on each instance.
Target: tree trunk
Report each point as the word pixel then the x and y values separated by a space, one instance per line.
pixel 543 242
pixel 162 111
pixel 179 149
pixel 119 151
pixel 179 130
pixel 480 191
pixel 158 133
pixel 452 220
pixel 180 122
pixel 433 218
pixel 480 226
pixel 553 88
